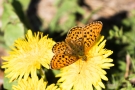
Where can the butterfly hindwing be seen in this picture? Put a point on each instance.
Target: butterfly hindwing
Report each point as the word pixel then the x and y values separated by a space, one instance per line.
pixel 61 60
pixel 59 47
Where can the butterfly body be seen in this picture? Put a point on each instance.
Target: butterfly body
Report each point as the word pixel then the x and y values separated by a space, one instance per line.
pixel 77 43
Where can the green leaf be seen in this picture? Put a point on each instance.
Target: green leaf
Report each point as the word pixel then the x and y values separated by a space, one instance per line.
pixel 8 15
pixel 56 72
pixel 13 32
pixel 7 85
pixel 121 32
pixel 116 28
pixel 24 3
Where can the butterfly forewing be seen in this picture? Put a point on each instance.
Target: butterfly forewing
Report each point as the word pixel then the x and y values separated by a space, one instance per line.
pixel 74 33
pixel 75 39
pixel 91 33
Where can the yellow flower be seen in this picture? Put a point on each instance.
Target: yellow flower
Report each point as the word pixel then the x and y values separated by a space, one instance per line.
pixel 28 55
pixel 83 75
pixel 52 87
pixel 33 84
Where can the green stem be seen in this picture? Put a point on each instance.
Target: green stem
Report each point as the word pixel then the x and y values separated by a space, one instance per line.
pixel 41 71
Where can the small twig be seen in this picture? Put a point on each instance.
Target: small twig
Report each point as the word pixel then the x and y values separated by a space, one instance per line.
pixel 128 63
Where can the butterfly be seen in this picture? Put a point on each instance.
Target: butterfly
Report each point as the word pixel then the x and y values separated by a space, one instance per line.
pixel 76 45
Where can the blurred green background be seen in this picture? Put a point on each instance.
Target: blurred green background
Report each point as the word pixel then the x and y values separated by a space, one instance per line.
pixel 56 17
